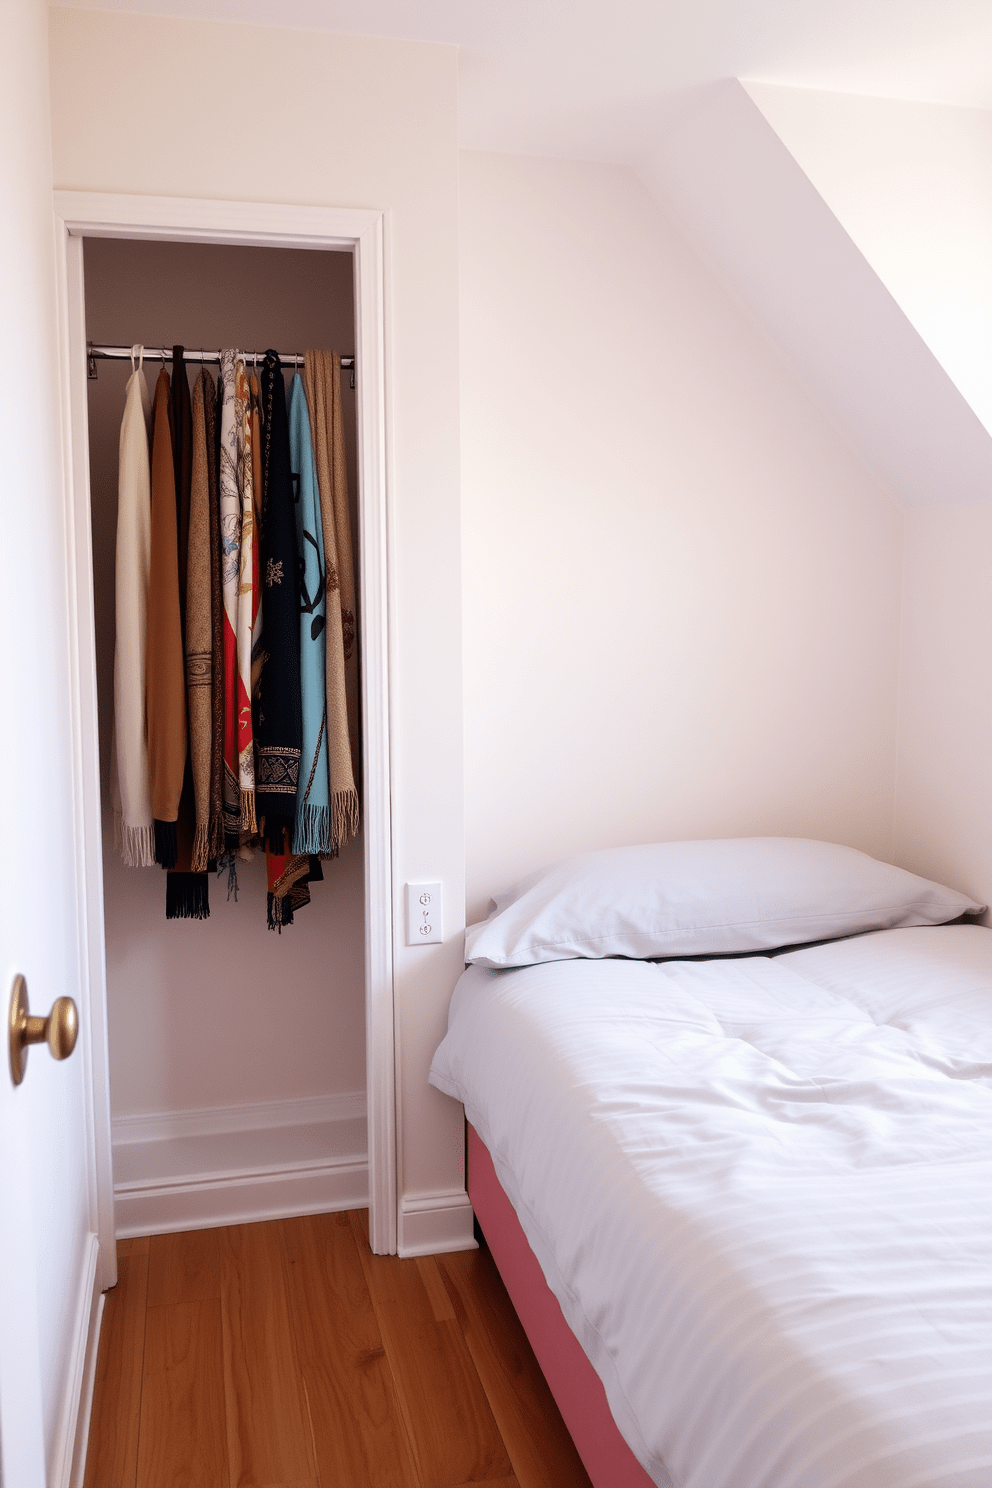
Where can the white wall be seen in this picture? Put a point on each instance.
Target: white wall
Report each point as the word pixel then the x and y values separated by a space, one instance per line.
pixel 944 786
pixel 45 1219
pixel 681 588
pixel 912 184
pixel 255 113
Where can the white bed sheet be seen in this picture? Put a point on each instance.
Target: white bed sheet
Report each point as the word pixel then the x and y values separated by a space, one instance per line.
pixel 761 1190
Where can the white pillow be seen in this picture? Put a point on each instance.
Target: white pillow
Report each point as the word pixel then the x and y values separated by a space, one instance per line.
pixel 703 898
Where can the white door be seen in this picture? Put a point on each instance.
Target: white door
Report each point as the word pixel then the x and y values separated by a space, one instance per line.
pixel 47 1188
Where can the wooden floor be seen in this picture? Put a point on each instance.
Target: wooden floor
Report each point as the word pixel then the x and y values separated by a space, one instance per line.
pixel 287 1355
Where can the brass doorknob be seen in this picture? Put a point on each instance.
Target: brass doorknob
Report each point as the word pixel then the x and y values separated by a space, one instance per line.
pixel 58 1030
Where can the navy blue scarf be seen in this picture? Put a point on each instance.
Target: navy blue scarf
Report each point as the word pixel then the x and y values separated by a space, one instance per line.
pixel 279 718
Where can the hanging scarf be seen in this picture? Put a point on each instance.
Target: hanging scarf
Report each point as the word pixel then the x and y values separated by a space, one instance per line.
pixel 130 789
pixel 247 601
pixel 289 878
pixel 199 690
pixel 182 463
pixel 258 488
pixel 215 846
pixel 279 724
pixel 322 380
pixel 165 690
pixel 230 539
pixel 312 833
pixel 186 893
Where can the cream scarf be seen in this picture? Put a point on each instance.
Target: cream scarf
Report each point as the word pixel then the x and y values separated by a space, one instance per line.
pixel 130 790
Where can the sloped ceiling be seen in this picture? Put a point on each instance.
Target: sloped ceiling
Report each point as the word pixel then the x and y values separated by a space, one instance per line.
pixel 912 184
pixel 755 216
pixel 780 213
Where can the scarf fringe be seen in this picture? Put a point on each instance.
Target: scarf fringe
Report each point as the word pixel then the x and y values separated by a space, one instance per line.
pixel 249 821
pixel 345 813
pixel 136 845
pixel 313 832
pixel 277 833
pixel 187 896
pixel 228 861
pixel 166 846
pixel 201 849
pixel 279 912
pixel 216 831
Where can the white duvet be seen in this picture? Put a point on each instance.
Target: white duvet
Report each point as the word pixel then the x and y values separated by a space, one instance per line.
pixel 761 1190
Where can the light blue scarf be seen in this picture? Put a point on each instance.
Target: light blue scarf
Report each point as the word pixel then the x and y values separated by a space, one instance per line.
pixel 312 832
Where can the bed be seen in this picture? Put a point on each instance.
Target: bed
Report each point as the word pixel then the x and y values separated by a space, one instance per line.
pixel 758 1182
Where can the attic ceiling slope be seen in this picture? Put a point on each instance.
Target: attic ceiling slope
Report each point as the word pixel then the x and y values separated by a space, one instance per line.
pixel 752 213
pixel 912 185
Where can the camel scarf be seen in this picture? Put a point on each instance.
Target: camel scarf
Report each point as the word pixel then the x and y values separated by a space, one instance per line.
pixel 248 589
pixel 312 833
pixel 322 381
pixel 230 540
pixel 130 789
pixel 199 649
pixel 279 723
pixel 165 690
pixel 182 465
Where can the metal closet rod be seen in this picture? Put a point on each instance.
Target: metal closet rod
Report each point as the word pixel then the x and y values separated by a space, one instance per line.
pixel 164 353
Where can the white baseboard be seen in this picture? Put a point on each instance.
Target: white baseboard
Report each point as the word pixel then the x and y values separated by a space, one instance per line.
pixel 179 1170
pixel 68 1461
pixel 430 1224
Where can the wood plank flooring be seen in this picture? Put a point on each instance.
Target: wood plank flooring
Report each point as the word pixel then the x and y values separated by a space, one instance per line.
pixel 287 1355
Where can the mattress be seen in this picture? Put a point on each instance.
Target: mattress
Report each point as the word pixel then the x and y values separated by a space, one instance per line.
pixel 761 1190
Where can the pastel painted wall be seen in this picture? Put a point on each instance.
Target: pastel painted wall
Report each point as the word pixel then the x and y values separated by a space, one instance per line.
pixel 681 589
pixel 354 123
pixel 912 184
pixel 943 787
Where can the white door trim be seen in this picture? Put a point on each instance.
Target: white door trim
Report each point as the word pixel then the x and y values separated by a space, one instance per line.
pixel 361 232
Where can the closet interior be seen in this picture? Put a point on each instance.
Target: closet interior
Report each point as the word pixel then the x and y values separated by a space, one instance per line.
pixel 237 1055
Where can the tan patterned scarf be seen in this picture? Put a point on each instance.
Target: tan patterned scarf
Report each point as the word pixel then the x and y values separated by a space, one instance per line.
pixel 199 659
pixel 322 385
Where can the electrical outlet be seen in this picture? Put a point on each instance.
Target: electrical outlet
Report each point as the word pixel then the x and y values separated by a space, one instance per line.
pixel 423 913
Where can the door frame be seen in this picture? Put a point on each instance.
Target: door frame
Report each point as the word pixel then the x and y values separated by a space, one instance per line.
pixel 361 232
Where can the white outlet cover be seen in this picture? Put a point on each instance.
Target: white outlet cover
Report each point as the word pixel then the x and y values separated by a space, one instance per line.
pixel 423 914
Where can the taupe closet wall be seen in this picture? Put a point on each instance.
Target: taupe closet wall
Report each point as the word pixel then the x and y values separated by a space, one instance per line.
pixel 221 1012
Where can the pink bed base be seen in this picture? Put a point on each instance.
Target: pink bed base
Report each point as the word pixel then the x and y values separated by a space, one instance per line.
pixel 574 1383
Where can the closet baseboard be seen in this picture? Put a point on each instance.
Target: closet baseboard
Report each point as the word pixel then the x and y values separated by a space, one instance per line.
pixel 224 1165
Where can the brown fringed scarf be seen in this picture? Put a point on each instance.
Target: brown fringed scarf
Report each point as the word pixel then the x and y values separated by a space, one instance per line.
pixel 322 384
pixel 199 657
pixel 181 412
pixel 165 674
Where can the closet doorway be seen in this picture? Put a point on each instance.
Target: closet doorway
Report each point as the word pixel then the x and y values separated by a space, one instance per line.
pixel 224 1005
